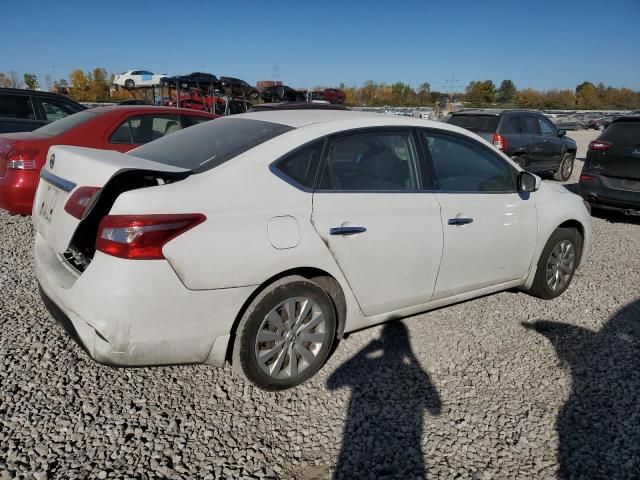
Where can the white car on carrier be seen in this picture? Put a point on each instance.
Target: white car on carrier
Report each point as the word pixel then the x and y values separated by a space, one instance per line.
pixel 138 78
pixel 263 238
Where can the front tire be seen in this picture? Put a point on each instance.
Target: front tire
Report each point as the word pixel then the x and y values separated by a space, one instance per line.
pixel 565 169
pixel 285 335
pixel 557 263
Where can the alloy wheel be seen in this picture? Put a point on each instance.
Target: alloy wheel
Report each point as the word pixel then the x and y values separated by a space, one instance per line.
pixel 290 337
pixel 560 265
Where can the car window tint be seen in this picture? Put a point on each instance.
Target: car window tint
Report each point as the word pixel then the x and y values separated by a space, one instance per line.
pixel 376 161
pixel 302 165
pixel 530 124
pixel 16 106
pixel 122 134
pixel 622 133
pixel 210 144
pixel 546 128
pixel 164 125
pixel 514 121
pixel 193 120
pixel 465 166
pixel 66 123
pixel 54 110
pixel 476 123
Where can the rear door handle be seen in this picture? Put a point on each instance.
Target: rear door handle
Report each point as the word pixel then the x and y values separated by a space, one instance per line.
pixel 460 221
pixel 346 230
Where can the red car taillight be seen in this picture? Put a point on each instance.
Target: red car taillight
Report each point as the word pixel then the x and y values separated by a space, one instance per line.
pixel 499 142
pixel 22 159
pixel 80 201
pixel 141 237
pixel 588 178
pixel 600 145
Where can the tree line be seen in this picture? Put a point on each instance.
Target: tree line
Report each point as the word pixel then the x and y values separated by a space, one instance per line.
pixel 94 86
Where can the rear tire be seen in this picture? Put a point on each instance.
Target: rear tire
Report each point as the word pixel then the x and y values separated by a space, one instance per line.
pixel 285 335
pixel 565 169
pixel 557 263
pixel 129 84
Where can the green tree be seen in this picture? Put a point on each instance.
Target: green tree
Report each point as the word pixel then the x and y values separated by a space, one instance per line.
pixel 480 93
pixel 31 81
pixel 507 92
pixel 587 96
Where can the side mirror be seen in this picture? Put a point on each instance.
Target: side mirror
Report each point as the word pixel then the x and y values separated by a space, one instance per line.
pixel 528 182
pixel 562 132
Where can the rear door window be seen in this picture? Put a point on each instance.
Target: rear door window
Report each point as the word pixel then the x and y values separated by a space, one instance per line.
pixel 476 123
pixel 17 106
pixel 622 133
pixel 371 161
pixel 530 125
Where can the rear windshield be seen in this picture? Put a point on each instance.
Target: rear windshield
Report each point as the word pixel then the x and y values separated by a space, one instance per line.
pixel 622 133
pixel 476 123
pixel 66 123
pixel 209 144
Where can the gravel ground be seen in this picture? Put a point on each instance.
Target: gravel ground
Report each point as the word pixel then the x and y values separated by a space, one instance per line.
pixel 505 386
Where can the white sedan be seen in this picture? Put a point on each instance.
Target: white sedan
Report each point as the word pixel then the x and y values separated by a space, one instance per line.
pixel 263 238
pixel 138 78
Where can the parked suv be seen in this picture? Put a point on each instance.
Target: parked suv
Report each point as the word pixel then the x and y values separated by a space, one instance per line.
pixel 281 93
pixel 528 137
pixel 25 110
pixel 610 178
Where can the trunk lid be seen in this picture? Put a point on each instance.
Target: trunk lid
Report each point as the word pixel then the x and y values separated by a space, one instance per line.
pixel 68 168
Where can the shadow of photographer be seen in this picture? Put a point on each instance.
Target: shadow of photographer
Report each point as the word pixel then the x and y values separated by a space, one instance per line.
pixel 389 393
pixel 599 425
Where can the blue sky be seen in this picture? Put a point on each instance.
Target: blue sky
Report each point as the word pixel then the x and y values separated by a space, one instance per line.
pixel 541 44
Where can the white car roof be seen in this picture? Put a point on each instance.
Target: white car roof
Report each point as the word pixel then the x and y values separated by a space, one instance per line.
pixel 303 118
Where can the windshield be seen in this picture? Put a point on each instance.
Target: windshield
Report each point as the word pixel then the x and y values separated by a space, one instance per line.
pixel 209 144
pixel 476 123
pixel 65 124
pixel 622 133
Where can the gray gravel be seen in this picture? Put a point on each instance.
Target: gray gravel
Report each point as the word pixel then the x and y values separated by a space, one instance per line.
pixel 505 386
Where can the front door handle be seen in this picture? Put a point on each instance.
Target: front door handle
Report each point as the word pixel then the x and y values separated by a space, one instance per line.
pixel 460 221
pixel 346 230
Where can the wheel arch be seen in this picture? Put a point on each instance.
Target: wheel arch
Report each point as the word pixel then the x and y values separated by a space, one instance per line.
pixel 322 278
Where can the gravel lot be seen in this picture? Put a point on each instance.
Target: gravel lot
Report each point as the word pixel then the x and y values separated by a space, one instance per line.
pixel 505 386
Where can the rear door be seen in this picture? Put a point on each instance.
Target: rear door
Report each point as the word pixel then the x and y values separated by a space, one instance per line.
pixel 538 152
pixel 622 160
pixel 490 230
pixel 378 221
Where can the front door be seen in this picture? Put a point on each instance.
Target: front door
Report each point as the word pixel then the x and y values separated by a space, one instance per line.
pixel 372 212
pixel 553 145
pixel 489 229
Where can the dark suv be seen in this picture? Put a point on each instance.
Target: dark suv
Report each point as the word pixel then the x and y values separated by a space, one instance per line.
pixel 610 178
pixel 26 110
pixel 528 137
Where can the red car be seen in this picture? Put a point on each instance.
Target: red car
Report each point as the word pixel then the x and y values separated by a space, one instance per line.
pixel 119 128
pixel 333 95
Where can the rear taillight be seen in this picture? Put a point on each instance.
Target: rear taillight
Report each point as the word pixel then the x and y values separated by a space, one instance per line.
pixel 141 237
pixel 80 201
pixel 588 178
pixel 600 145
pixel 499 142
pixel 22 159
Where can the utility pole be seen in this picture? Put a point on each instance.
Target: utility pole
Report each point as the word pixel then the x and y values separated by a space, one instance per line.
pixel 451 86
